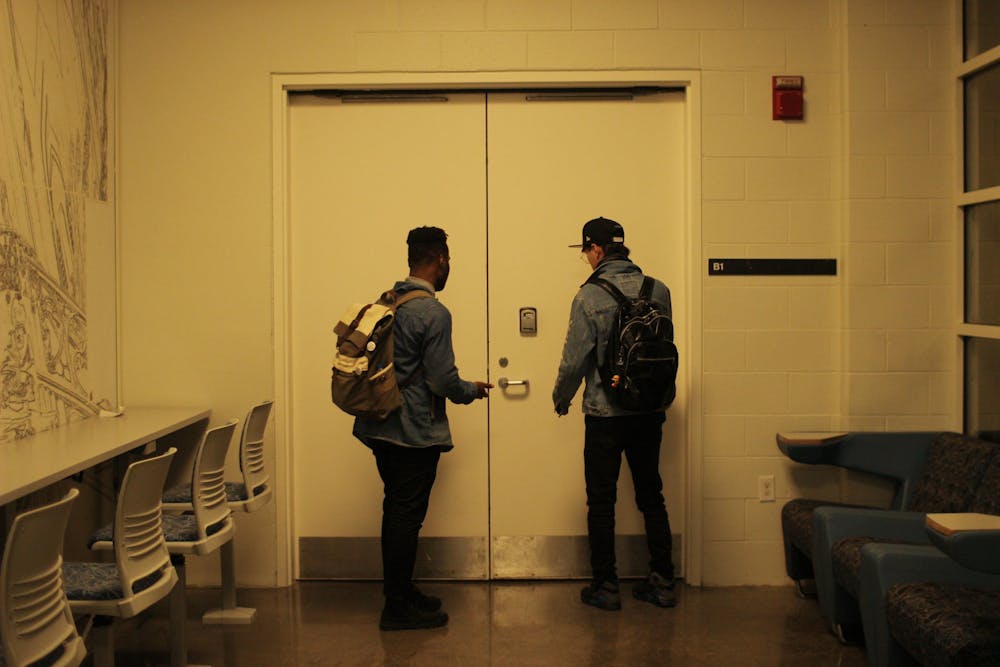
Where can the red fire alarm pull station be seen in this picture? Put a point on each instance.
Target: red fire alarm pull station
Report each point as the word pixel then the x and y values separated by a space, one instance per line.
pixel 786 98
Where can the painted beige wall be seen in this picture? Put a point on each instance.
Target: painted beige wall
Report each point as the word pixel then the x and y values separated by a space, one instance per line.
pixel 865 178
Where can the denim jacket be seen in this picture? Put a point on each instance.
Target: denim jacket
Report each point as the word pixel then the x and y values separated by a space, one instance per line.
pixel 590 321
pixel 426 372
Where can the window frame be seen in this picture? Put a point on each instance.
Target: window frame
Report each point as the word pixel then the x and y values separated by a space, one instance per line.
pixel 966 331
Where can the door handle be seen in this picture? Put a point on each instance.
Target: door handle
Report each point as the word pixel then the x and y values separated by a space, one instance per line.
pixel 504 383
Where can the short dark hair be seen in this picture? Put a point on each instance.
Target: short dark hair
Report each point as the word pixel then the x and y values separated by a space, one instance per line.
pixel 619 249
pixel 425 245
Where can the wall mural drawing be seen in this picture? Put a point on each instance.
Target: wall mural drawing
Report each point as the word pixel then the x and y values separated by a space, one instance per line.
pixel 54 158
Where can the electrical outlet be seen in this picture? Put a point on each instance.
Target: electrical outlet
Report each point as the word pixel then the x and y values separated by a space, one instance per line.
pixel 765 488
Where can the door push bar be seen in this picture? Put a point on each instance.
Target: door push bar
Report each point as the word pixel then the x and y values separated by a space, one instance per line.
pixel 504 383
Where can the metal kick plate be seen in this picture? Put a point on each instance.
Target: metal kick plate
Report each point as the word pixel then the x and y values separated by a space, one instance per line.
pixel 514 557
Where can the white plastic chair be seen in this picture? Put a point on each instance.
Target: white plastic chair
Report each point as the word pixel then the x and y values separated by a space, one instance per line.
pixel 250 495
pixel 256 489
pixel 141 573
pixel 35 619
pixel 207 524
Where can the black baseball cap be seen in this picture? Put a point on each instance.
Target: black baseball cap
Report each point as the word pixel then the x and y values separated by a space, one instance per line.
pixel 601 231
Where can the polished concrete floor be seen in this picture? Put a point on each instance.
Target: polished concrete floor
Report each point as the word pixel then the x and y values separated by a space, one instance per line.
pixel 500 623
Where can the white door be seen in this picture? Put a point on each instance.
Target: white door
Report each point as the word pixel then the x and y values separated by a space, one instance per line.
pixel 361 176
pixel 509 500
pixel 553 165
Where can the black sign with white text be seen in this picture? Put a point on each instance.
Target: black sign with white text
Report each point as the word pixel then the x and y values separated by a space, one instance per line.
pixel 772 267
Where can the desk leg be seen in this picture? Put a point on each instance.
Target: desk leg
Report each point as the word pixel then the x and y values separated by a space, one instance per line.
pixel 178 616
pixel 229 614
pixel 7 515
pixel 102 640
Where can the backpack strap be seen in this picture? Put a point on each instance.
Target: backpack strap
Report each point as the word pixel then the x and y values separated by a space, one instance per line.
pixel 610 288
pixel 646 291
pixel 357 320
pixel 394 302
pixel 409 296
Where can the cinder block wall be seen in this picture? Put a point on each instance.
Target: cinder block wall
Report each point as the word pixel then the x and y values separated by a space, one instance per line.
pixel 865 178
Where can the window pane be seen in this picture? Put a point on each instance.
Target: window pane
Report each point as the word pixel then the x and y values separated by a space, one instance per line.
pixel 982 388
pixel 982 26
pixel 982 129
pixel 982 263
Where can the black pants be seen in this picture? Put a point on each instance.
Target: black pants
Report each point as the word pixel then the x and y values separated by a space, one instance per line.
pixel 638 436
pixel 408 475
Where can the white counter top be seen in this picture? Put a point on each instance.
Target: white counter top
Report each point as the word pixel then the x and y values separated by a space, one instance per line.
pixel 34 462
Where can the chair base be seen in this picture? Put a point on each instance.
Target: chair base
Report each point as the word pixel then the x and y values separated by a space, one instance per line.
pixel 849 634
pixel 234 616
pixel 806 588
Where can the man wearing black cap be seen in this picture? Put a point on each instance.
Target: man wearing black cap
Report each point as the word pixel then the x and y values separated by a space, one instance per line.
pixel 408 444
pixel 610 429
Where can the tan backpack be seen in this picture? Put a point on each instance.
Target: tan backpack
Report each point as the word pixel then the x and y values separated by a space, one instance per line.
pixel 363 381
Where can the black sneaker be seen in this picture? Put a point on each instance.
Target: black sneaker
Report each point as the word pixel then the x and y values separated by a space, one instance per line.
pixel 405 615
pixel 603 595
pixel 423 602
pixel 656 589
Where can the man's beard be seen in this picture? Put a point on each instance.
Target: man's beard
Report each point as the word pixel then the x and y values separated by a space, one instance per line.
pixel 442 280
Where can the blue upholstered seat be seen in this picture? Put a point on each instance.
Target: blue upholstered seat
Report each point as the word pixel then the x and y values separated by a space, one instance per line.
pixel 941 624
pixel 235 492
pixel 100 581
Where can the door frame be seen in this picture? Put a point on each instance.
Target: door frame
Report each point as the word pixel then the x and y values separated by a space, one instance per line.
pixel 283 84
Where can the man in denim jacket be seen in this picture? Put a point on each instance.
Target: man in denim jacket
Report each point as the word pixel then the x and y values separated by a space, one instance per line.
pixel 611 430
pixel 408 444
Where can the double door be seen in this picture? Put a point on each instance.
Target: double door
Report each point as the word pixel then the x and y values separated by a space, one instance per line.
pixel 511 178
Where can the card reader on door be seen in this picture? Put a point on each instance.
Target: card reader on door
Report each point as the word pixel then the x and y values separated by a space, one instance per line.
pixel 528 321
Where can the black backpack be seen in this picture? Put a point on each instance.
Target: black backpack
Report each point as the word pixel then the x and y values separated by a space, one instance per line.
pixel 640 362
